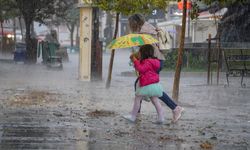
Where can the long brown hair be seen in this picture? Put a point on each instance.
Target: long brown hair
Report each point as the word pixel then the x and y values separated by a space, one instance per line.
pixel 135 22
pixel 146 51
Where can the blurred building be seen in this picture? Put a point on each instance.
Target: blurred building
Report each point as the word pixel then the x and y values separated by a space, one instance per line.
pixel 197 30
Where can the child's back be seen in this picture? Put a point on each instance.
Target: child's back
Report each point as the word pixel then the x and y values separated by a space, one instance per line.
pixel 147 69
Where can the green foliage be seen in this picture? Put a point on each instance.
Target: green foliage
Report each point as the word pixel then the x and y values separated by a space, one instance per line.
pixel 197 62
pixel 224 2
pixel 128 7
pixel 39 10
pixel 8 10
pixel 194 11
pixel 67 14
pixel 72 15
pixel 171 58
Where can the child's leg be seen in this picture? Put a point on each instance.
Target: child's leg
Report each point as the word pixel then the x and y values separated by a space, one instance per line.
pixel 168 101
pixel 177 110
pixel 135 85
pixel 136 107
pixel 139 110
pixel 158 108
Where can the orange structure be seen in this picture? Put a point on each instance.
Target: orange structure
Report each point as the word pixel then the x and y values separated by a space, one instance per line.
pixel 180 5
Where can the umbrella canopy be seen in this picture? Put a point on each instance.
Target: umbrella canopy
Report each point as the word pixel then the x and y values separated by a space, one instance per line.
pixel 132 40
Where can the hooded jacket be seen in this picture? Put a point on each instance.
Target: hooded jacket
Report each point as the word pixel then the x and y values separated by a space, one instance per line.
pixel 147 69
pixel 147 28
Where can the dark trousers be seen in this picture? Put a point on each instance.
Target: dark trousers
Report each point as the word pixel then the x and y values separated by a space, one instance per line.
pixel 165 98
pixel 168 101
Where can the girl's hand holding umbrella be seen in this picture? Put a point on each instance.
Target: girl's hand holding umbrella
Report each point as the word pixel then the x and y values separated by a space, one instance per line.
pixel 134 56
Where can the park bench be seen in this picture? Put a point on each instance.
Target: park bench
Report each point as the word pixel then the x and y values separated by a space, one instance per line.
pixel 237 63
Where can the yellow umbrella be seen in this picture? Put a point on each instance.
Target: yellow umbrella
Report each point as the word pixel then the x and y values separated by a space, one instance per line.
pixel 132 40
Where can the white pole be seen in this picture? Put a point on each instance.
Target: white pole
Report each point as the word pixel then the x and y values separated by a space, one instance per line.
pixel 85 41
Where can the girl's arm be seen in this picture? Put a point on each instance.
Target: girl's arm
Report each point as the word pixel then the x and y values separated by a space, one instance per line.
pixel 137 64
pixel 139 67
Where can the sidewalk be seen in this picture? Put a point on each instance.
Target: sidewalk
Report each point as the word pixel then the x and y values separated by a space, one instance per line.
pixel 46 109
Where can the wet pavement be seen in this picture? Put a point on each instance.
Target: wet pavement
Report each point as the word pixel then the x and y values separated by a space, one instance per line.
pixel 46 109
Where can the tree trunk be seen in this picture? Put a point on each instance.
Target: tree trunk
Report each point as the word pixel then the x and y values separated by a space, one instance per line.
pixel 77 36
pixel 28 41
pixel 27 9
pixel 14 30
pixel 96 50
pixel 112 53
pixel 108 32
pixel 2 36
pixel 175 94
pixel 32 30
pixel 21 26
pixel 72 38
pixel 71 28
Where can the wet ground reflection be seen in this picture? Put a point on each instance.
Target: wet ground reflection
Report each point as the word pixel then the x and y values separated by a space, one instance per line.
pixel 41 109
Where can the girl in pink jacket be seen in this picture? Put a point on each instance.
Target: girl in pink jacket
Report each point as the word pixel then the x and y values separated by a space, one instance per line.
pixel 138 24
pixel 149 86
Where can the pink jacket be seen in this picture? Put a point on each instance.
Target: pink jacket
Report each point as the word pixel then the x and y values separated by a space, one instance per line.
pixel 147 71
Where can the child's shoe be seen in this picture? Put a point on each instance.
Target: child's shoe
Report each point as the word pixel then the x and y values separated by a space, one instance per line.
pixel 160 121
pixel 177 112
pixel 129 118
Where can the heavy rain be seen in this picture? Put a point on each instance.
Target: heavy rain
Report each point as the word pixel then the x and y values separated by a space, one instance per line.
pixel 56 91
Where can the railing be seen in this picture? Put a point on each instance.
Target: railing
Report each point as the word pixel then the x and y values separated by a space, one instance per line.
pixel 212 50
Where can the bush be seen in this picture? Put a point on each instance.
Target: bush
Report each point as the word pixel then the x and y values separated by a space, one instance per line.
pixel 191 61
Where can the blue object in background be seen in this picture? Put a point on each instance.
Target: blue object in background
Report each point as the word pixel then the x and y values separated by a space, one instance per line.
pixel 20 52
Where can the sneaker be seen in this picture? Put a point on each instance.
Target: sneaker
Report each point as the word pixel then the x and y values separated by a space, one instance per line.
pixel 129 118
pixel 160 121
pixel 177 112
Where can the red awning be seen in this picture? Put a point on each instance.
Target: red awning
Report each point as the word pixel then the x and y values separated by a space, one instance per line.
pixel 6 32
